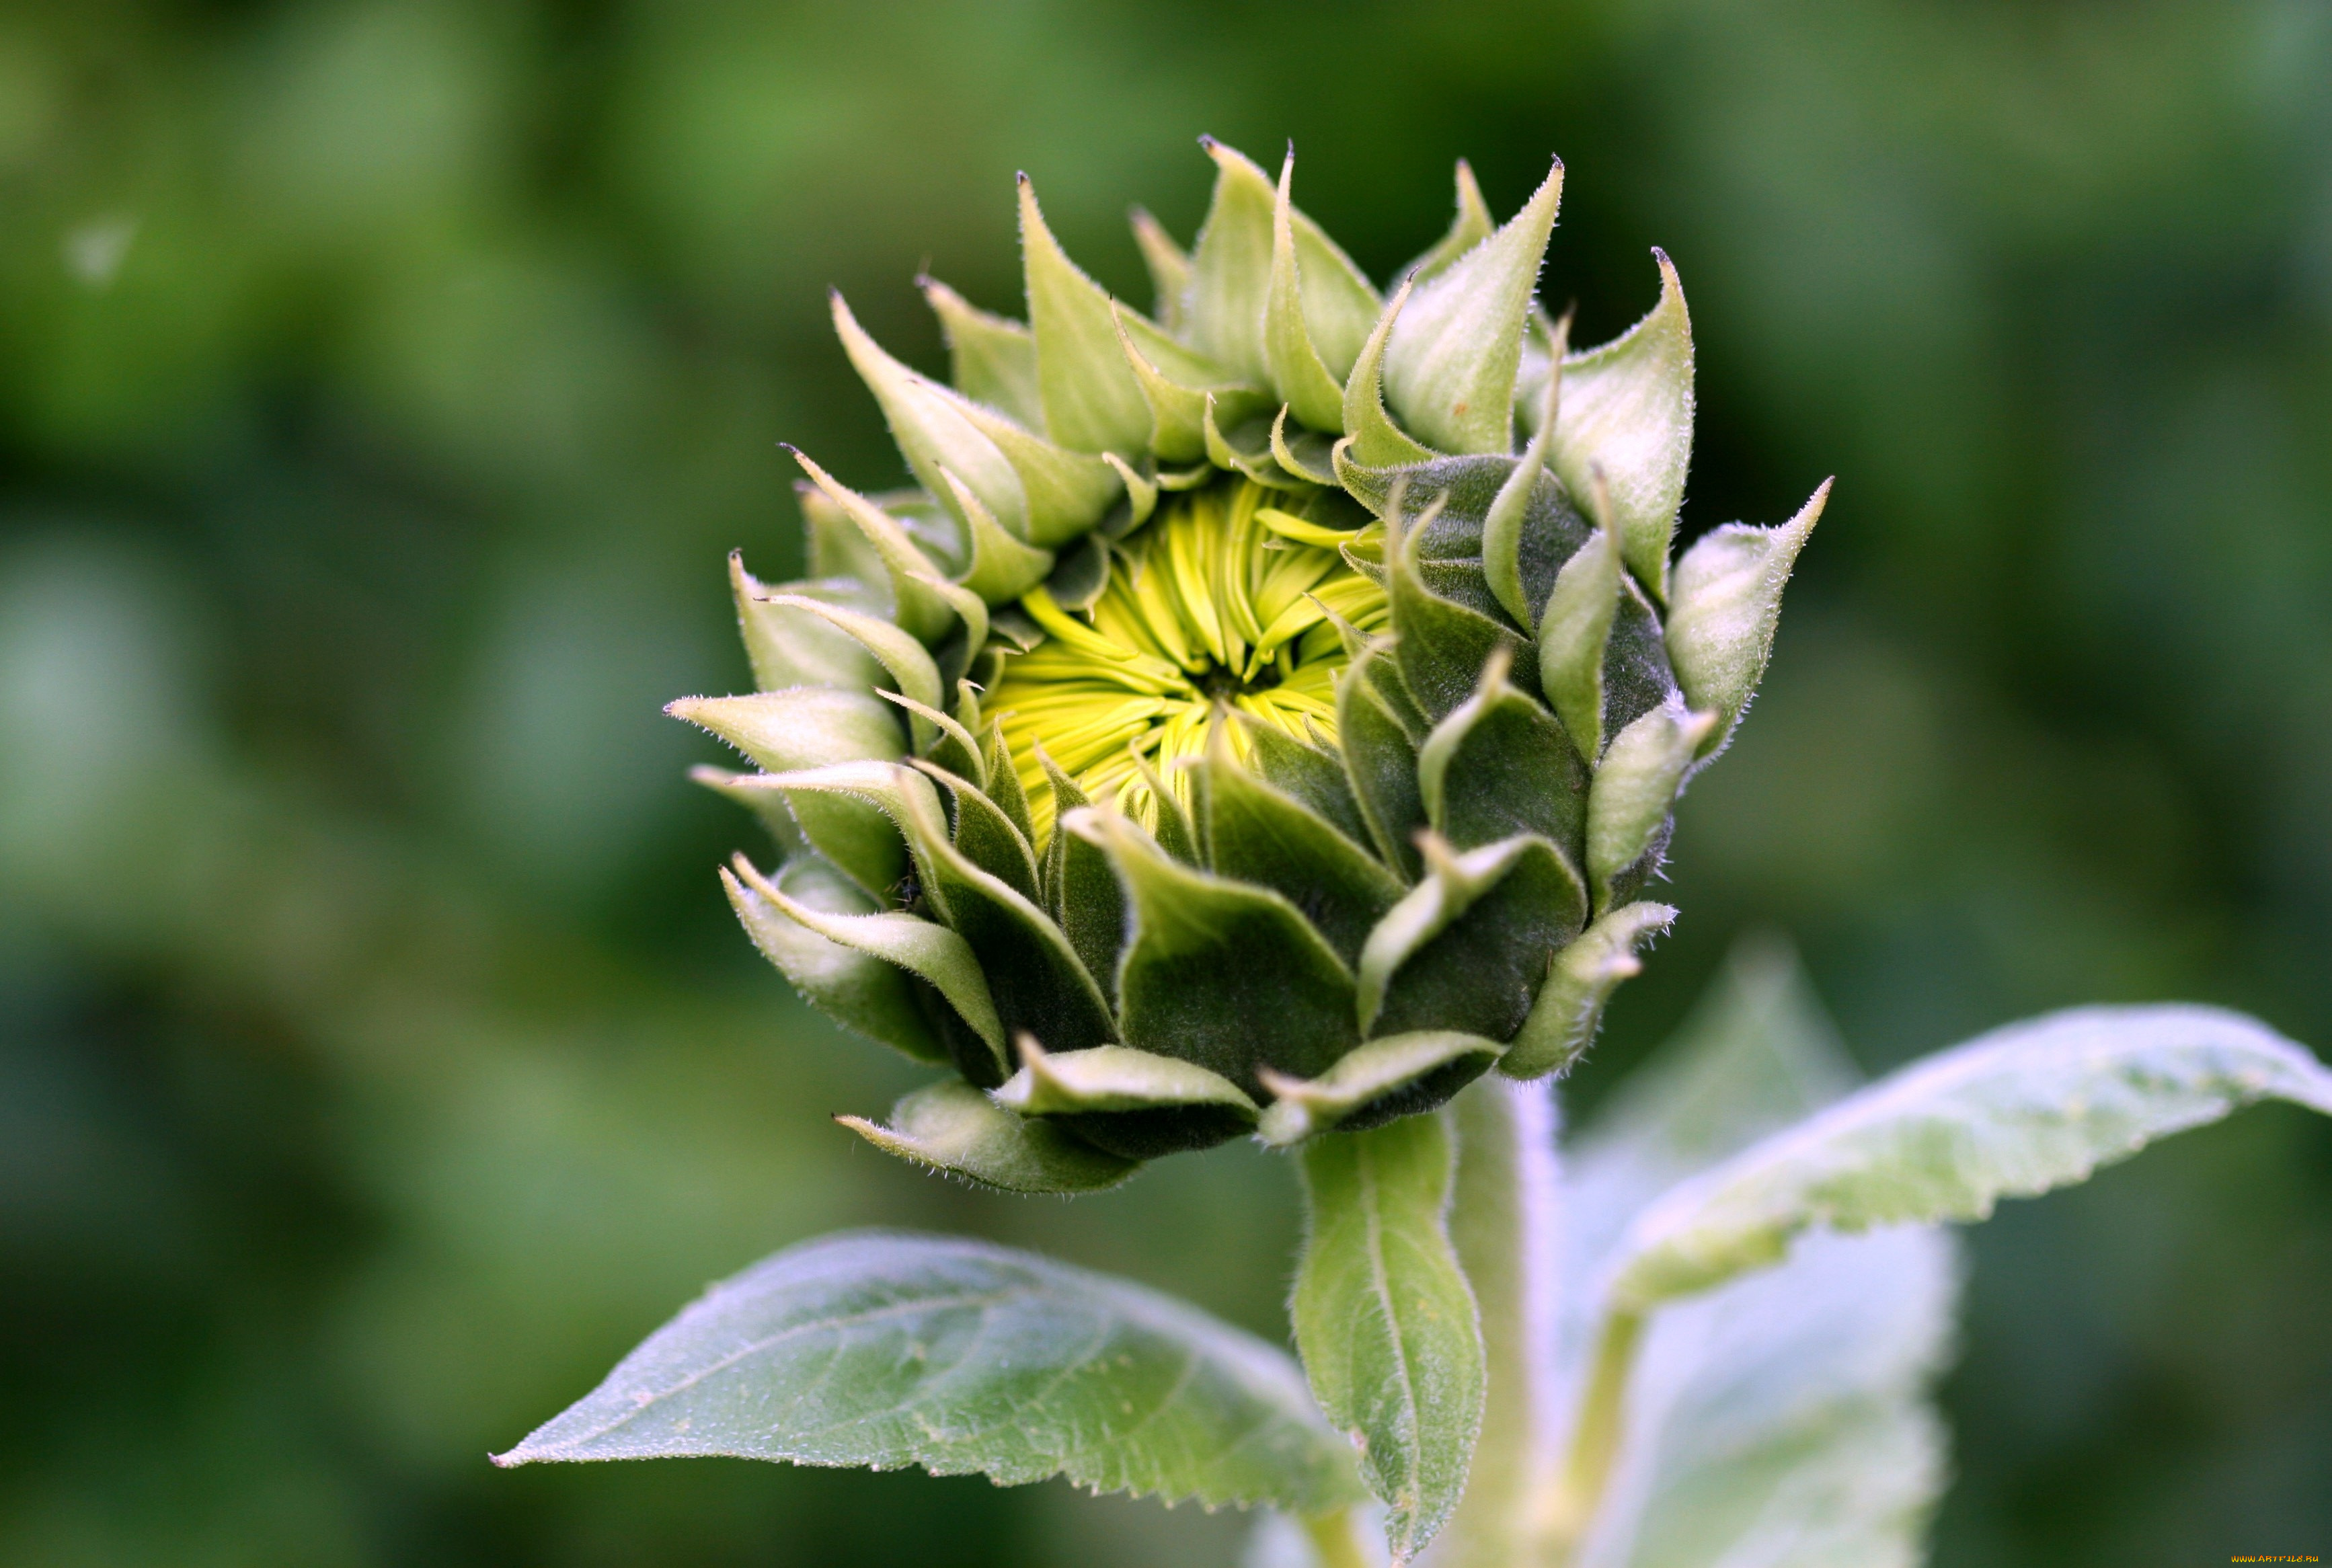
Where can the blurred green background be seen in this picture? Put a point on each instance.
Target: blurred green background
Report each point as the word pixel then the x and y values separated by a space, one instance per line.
pixel 381 386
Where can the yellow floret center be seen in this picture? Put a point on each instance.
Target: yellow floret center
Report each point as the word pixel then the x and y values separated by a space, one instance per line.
pixel 1222 601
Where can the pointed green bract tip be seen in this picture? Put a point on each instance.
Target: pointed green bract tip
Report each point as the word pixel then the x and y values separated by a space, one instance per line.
pixel 1451 361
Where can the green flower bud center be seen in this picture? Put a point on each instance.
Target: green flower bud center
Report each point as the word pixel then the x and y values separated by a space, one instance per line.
pixel 1222 601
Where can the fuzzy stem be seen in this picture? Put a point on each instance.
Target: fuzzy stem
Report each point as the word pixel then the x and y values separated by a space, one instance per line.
pixel 1334 1540
pixel 1502 1222
pixel 1595 1442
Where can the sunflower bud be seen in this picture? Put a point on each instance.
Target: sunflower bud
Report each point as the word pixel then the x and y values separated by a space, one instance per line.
pixel 1234 733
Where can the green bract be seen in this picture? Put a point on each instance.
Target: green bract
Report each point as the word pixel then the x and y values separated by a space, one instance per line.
pixel 1263 716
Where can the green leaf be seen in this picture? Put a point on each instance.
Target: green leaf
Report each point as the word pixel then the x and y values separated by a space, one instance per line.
pixel 1377 1081
pixel 1466 490
pixel 2025 1109
pixel 1570 1006
pixel 854 988
pixel 1627 409
pixel 1473 225
pixel 1634 788
pixel 837 548
pixel 1069 491
pixel 992 360
pixel 1082 577
pixel 1504 525
pixel 1757 1054
pixel 954 1129
pixel 884 1349
pixel 1468 947
pixel 901 798
pixel 1538 384
pixel 1727 601
pixel 1787 1418
pixel 1386 1321
pixel 1340 304
pixel 1141 497
pixel 1035 977
pixel 1247 449
pixel 1000 780
pixel 1783 1417
pixel 775 814
pixel 1173 829
pixel 1574 637
pixel 1219 972
pixel 1309 456
pixel 789 648
pixel 1041 493
pixel 1092 403
pixel 806 727
pixel 952 747
pixel 1169 265
pixel 799 726
pixel 1250 831
pixel 1450 362
pixel 1132 1104
pixel 1499 765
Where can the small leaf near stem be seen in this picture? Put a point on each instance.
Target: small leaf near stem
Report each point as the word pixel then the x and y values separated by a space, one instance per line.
pixel 1387 1325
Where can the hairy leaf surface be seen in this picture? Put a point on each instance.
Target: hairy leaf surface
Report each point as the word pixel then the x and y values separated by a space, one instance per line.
pixel 887 1349
pixel 1386 1321
pixel 2012 1114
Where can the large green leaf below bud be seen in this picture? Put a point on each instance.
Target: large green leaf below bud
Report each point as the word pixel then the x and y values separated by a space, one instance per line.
pixel 886 1349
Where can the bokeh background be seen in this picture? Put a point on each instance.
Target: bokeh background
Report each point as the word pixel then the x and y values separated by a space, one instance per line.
pixel 380 387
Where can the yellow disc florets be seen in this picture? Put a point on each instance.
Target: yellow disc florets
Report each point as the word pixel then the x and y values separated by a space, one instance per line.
pixel 1222 601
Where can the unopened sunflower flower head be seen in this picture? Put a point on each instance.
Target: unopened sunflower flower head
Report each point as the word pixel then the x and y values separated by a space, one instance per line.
pixel 1263 716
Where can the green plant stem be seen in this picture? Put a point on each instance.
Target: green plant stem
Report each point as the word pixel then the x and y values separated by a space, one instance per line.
pixel 1336 1541
pixel 1502 1223
pixel 1595 1441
